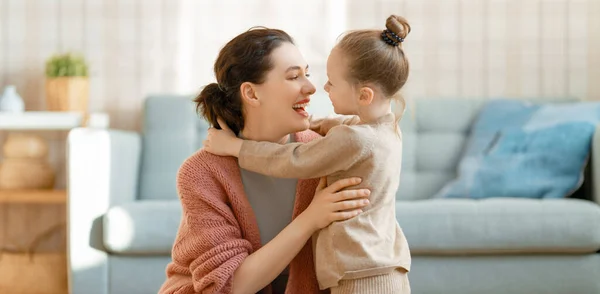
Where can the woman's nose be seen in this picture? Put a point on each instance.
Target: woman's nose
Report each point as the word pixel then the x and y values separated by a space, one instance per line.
pixel 310 88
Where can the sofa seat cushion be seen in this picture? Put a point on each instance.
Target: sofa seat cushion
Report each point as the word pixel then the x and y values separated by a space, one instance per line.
pixel 500 225
pixel 142 227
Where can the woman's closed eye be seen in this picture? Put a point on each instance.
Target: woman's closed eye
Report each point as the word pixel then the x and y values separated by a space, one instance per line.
pixel 297 76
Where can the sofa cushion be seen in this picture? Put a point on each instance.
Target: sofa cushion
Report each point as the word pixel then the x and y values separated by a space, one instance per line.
pixel 435 132
pixel 172 131
pixel 422 184
pixel 142 227
pixel 436 226
pixel 522 149
pixel 426 128
pixel 500 225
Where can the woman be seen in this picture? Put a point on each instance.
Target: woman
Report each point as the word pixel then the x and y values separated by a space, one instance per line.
pixel 231 239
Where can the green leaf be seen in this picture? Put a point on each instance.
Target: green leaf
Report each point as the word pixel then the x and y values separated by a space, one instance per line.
pixel 66 65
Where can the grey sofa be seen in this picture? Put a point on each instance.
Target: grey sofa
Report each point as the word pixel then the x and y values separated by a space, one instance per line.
pixel 124 212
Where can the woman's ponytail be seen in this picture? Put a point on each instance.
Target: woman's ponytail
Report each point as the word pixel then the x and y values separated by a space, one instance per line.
pixel 214 102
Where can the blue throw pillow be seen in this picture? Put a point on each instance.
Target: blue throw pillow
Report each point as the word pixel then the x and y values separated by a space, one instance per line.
pixel 520 149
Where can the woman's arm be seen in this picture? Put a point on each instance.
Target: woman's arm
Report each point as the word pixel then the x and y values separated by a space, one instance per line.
pixel 323 125
pixel 263 266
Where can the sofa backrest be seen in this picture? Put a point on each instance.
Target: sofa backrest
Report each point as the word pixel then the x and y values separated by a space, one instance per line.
pixel 171 132
pixel 435 132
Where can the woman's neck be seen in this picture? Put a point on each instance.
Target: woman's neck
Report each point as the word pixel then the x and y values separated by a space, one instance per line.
pixel 256 132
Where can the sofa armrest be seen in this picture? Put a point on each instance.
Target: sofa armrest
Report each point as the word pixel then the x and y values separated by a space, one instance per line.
pixel 103 165
pixel 595 161
pixel 102 171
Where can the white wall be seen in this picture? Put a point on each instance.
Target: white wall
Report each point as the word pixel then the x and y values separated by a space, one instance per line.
pixel 466 48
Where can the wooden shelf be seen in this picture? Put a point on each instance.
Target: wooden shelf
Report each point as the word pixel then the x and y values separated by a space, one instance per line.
pixel 33 196
pixel 50 120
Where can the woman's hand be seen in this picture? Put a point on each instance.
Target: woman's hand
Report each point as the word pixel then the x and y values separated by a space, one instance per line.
pixel 222 142
pixel 330 204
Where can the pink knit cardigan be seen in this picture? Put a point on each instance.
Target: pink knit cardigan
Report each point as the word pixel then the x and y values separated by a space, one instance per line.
pixel 218 229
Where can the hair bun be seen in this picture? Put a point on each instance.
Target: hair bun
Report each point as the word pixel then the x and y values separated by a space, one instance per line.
pixel 398 25
pixel 212 103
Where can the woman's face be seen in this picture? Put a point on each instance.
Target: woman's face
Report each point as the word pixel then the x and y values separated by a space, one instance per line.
pixel 284 95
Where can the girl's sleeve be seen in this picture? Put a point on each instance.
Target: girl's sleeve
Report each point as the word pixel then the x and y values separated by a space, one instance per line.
pixel 323 125
pixel 340 149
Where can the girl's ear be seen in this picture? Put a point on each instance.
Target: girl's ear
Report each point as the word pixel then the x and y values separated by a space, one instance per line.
pixel 366 95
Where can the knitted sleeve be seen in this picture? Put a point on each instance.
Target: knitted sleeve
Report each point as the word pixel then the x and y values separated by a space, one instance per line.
pixel 340 149
pixel 323 125
pixel 209 240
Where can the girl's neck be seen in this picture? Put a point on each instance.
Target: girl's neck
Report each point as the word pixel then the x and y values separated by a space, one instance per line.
pixel 378 108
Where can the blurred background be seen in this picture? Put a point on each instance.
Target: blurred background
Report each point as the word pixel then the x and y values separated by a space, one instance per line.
pixel 457 48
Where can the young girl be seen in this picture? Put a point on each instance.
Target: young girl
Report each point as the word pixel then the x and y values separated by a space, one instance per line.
pixel 366 69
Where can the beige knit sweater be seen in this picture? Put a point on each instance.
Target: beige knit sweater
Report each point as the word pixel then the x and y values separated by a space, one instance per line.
pixel 371 243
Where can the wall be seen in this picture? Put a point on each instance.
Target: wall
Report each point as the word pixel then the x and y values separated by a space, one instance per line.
pixel 466 48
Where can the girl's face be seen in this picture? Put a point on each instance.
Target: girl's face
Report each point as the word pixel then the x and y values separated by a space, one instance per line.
pixel 283 97
pixel 342 93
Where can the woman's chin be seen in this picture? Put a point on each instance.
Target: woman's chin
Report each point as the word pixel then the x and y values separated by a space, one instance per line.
pixel 302 125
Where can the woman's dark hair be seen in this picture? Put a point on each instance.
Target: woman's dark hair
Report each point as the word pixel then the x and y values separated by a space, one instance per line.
pixel 246 58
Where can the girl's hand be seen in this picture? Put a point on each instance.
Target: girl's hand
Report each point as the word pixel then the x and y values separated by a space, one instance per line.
pixel 222 142
pixel 330 204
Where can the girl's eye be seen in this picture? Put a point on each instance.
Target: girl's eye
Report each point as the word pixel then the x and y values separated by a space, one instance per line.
pixel 307 75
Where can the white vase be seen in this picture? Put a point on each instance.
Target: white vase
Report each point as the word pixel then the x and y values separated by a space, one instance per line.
pixel 11 101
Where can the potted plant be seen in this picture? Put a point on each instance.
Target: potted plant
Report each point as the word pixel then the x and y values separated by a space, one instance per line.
pixel 67 85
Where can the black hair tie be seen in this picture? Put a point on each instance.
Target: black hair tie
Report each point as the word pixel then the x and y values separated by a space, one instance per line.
pixel 395 40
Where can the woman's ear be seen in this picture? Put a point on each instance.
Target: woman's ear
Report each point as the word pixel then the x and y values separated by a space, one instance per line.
pixel 366 96
pixel 248 93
